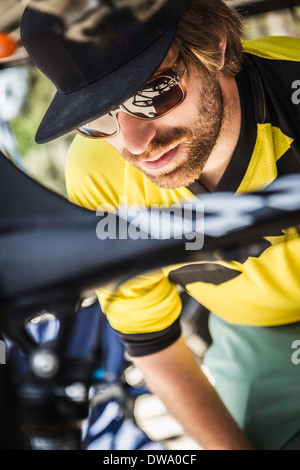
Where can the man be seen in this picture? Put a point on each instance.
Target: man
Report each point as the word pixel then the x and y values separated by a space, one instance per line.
pixel 169 107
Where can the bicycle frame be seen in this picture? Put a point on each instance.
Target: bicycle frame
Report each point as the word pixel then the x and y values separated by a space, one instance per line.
pixel 50 255
pixel 49 274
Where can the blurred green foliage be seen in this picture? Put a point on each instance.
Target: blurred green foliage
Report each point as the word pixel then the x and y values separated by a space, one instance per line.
pixel 40 94
pixel 44 162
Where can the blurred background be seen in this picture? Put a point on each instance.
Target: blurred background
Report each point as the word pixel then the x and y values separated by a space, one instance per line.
pixel 25 93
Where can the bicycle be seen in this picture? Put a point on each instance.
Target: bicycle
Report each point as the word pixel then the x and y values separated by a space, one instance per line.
pixel 53 399
pixel 55 394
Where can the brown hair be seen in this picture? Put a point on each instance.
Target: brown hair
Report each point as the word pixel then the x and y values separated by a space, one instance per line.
pixel 201 29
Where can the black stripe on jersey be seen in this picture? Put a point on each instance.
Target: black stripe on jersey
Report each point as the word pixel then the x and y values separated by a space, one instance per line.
pixel 205 272
pixel 289 163
pixel 280 110
pixel 143 344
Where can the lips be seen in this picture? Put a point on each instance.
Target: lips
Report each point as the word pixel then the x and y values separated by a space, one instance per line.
pixel 160 162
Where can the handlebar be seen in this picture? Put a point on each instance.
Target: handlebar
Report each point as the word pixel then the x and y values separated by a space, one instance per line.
pixel 50 255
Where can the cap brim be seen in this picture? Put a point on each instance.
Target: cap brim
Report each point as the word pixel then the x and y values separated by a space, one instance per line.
pixel 68 111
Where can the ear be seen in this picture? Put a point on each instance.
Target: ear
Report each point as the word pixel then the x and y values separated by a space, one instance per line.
pixel 222 46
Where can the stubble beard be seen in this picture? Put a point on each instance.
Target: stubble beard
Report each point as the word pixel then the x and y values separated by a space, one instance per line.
pixel 196 143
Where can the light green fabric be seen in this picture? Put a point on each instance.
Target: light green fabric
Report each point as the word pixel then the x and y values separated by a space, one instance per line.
pixel 256 378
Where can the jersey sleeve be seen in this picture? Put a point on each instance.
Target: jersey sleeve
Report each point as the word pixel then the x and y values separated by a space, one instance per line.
pixel 145 310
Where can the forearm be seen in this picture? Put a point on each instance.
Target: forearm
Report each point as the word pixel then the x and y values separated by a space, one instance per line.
pixel 175 377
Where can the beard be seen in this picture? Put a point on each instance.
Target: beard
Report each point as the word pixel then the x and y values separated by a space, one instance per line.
pixel 196 142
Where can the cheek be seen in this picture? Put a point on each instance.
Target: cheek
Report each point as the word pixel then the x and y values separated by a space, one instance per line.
pixel 185 115
pixel 187 112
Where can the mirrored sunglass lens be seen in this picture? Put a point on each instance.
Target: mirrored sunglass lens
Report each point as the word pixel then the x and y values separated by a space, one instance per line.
pixel 102 127
pixel 157 98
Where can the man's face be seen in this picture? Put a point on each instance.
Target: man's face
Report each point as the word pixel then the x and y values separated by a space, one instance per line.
pixel 173 150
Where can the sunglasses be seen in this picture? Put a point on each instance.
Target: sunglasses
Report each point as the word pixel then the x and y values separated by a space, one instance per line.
pixel 160 95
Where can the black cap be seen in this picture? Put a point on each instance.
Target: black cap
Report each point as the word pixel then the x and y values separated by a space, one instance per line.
pixel 94 76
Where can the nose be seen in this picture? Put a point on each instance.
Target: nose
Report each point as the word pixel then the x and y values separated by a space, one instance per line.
pixel 136 133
